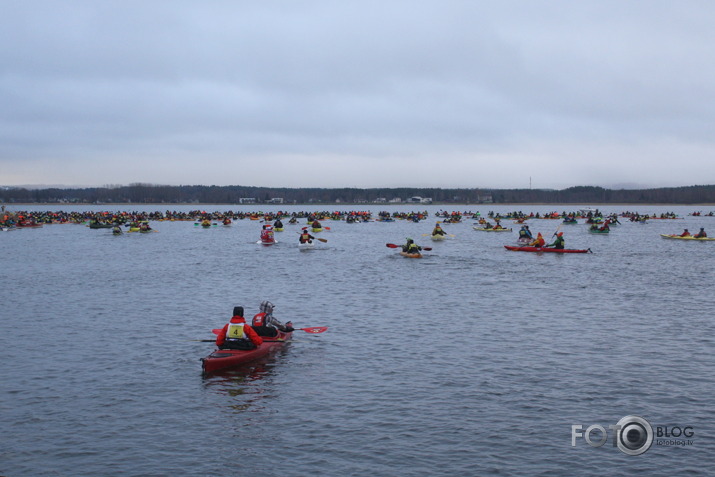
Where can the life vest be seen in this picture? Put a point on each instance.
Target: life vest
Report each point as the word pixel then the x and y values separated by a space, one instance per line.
pixel 236 332
pixel 259 319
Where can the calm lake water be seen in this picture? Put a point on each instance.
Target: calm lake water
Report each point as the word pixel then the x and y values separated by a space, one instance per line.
pixel 472 361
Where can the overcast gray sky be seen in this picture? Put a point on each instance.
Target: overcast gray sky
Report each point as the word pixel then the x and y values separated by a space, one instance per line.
pixel 346 93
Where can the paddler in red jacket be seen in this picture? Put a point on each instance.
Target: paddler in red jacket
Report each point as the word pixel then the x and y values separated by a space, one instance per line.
pixel 305 237
pixel 236 334
pixel 267 234
pixel 265 324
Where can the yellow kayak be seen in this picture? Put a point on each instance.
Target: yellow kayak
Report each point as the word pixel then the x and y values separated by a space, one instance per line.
pixel 689 237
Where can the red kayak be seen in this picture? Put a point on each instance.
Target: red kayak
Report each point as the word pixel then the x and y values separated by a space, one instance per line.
pixel 545 249
pixel 224 358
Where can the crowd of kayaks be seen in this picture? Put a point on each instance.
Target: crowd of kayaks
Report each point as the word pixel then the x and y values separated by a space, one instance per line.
pixel 138 222
pixel 597 224
pixel 37 218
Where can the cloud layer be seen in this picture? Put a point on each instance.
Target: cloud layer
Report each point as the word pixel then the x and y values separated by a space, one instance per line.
pixel 357 94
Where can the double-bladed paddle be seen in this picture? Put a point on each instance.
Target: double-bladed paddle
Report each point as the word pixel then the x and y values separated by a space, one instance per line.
pixel 392 245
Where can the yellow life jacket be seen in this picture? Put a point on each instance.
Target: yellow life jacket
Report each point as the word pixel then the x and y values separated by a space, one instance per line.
pixel 235 331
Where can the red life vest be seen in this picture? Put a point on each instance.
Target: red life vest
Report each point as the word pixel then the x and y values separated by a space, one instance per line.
pixel 258 320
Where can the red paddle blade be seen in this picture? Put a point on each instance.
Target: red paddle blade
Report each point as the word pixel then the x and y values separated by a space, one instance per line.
pixel 315 329
pixel 427 248
pixel 216 331
pixel 391 245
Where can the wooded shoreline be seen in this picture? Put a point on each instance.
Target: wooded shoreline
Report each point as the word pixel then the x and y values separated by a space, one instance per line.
pixel 142 194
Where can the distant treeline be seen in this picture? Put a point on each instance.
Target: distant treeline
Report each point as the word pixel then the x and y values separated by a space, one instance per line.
pixel 157 194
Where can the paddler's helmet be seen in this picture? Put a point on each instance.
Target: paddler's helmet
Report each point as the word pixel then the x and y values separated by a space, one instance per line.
pixel 560 234
pixel 237 311
pixel 266 307
pixel 409 240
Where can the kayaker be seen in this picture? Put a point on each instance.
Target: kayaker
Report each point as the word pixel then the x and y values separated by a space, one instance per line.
pixel 524 232
pixel 559 242
pixel 278 224
pixel 437 230
pixel 267 234
pixel 685 233
pixel 236 334
pixel 701 234
pixel 316 224
pixel 265 324
pixel 411 247
pixel 305 237
pixel 116 230
pixel 538 241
